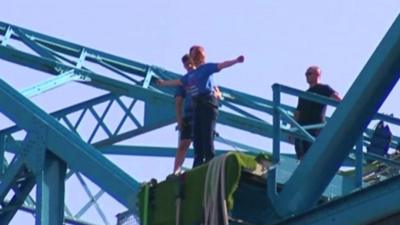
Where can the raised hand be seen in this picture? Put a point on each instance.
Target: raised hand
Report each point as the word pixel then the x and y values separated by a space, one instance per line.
pixel 240 59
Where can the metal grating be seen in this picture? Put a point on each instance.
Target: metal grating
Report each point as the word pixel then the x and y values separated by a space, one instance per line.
pixel 128 218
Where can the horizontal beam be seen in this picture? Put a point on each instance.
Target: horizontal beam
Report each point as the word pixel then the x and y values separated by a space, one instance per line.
pixel 146 151
pixel 67 219
pixel 74 50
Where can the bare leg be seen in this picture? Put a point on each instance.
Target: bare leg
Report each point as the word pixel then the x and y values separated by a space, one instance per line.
pixel 180 154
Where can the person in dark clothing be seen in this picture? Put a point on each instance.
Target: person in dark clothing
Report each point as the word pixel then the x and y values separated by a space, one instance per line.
pixel 309 112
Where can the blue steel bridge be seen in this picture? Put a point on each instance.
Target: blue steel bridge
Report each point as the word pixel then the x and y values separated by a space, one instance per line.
pixel 45 154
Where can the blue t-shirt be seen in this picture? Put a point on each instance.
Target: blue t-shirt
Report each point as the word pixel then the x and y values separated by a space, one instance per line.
pixel 200 81
pixel 187 102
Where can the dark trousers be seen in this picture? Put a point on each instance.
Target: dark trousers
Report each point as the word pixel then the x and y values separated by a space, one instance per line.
pixel 204 120
pixel 302 146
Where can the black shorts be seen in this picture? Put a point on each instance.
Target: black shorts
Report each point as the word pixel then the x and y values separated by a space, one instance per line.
pixel 186 129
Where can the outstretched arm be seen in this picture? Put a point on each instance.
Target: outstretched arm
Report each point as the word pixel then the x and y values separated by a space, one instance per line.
pixel 229 63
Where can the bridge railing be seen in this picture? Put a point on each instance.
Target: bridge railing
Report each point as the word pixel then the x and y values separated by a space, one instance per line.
pixel 358 158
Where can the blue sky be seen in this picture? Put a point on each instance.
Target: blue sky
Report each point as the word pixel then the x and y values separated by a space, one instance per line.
pixel 279 39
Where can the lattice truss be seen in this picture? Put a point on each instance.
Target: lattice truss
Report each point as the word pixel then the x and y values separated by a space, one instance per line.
pixel 129 105
pixel 51 153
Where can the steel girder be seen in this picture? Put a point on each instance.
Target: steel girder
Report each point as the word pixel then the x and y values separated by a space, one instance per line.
pixel 361 207
pixel 65 145
pixel 55 58
pixel 351 118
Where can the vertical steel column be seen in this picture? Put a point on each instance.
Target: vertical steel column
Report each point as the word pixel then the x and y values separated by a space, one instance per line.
pixel 359 163
pixel 2 151
pixel 276 131
pixel 147 79
pixel 50 191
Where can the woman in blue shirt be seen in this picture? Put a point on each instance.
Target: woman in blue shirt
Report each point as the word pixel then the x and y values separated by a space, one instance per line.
pixel 199 84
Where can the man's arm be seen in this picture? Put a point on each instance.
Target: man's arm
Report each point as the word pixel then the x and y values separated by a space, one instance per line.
pixel 178 110
pixel 335 96
pixel 229 63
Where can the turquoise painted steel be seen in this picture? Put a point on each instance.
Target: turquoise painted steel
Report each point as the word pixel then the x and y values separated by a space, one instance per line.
pixel 338 186
pixel 359 163
pixel 100 121
pixel 139 89
pixel 360 208
pixel 242 112
pixel 81 60
pixel 51 191
pixel 146 151
pixel 239 146
pixel 7 36
pixel 9 179
pixel 276 145
pixel 92 199
pixel 50 84
pixel 53 49
pixel 9 210
pixel 297 127
pixel 104 83
pixel 19 179
pixel 3 161
pixel 358 107
pixel 67 219
pixel 148 77
pixel 256 126
pixel 80 156
pixel 33 45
